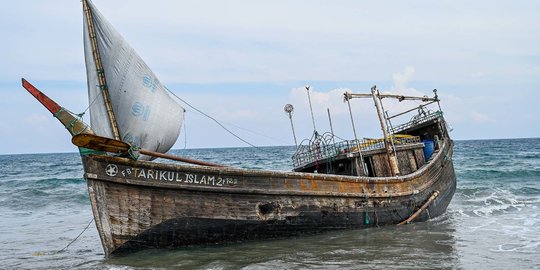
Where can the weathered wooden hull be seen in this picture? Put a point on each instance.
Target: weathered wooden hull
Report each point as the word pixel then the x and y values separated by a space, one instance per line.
pixel 141 205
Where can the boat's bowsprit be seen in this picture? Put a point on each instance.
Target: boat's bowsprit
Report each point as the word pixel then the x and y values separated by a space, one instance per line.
pixel 73 124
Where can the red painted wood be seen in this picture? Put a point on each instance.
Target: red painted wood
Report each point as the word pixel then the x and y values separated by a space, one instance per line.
pixel 52 106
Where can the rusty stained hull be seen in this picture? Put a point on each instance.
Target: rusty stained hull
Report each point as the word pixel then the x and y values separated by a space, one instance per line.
pixel 139 205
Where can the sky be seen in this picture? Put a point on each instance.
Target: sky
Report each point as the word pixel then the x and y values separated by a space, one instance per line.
pixel 242 61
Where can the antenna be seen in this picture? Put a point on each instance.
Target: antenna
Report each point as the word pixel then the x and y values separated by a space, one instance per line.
pixel 437 99
pixel 289 110
pixel 331 127
pixel 347 97
pixel 311 108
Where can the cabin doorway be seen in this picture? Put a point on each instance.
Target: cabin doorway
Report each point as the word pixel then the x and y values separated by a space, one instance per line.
pixel 369 166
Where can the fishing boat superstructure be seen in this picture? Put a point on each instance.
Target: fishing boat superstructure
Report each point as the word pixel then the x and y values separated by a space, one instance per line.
pixel 403 150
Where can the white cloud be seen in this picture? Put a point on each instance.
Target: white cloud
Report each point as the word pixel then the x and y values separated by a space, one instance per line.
pixel 320 100
pixel 486 57
pixel 478 74
pixel 402 78
pixel 243 41
pixel 38 120
pixel 478 117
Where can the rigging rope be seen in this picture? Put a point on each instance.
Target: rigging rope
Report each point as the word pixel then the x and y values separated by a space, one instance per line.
pixel 88 225
pixel 189 105
pixel 254 132
pixel 91 103
pixel 366 220
pixel 185 134
pixel 212 118
pixel 80 115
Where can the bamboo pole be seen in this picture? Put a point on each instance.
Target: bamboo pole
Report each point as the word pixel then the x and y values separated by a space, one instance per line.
pixel 415 215
pixel 178 158
pixel 98 143
pixel 100 72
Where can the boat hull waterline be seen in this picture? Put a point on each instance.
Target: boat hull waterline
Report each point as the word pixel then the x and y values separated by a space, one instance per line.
pixel 140 205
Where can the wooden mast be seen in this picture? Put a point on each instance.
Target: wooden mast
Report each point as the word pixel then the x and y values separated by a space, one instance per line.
pixel 100 72
pixel 392 159
pixel 387 143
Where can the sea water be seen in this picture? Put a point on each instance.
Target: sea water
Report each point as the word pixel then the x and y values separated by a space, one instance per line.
pixel 493 221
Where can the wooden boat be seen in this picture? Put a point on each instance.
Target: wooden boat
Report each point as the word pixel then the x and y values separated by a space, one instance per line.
pixel 138 203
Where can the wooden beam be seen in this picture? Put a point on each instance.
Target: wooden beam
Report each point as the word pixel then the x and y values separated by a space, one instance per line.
pixel 99 143
pixel 398 97
pixel 387 143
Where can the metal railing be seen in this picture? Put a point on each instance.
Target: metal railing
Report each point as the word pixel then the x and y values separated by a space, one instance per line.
pixel 324 147
pixel 416 120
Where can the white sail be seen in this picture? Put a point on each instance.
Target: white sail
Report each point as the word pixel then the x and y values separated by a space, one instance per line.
pixel 146 115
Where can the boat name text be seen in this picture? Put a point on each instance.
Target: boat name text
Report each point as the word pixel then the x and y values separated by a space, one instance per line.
pixel 171 176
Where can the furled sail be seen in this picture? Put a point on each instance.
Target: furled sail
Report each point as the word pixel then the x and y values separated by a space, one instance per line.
pixel 146 115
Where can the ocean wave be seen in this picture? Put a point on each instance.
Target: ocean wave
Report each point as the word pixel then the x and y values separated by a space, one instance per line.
pixel 58 182
pixel 45 192
pixel 488 201
pixel 531 248
pixel 502 173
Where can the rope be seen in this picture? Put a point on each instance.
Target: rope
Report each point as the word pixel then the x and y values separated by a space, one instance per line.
pixel 133 152
pixel 367 209
pixel 92 103
pixel 366 220
pixel 80 115
pixel 212 118
pixel 71 125
pixel 254 132
pixel 88 225
pixel 329 164
pixel 58 112
pixel 185 134
pixel 376 218
pixel 446 157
